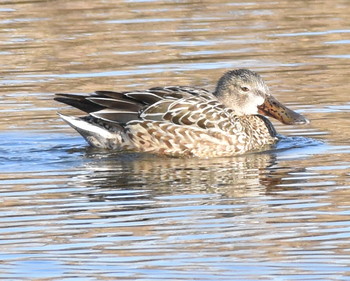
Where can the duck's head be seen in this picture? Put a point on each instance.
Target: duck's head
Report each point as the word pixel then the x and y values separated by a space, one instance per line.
pixel 246 93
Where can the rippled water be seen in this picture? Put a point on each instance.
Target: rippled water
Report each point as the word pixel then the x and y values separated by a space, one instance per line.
pixel 72 212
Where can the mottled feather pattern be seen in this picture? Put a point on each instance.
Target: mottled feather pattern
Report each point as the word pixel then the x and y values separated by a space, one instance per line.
pixel 193 126
pixel 176 140
pixel 174 121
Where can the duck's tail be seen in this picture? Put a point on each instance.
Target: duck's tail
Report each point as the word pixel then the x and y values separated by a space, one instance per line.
pixel 97 135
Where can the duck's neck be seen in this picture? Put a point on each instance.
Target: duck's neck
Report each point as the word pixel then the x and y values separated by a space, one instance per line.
pixel 259 129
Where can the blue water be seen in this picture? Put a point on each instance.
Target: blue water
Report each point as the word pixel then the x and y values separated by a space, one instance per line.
pixel 72 212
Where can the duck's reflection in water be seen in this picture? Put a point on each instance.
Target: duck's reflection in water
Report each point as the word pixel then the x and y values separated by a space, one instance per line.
pixel 247 175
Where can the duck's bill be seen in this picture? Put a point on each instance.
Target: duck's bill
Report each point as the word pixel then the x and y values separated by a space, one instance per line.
pixel 273 108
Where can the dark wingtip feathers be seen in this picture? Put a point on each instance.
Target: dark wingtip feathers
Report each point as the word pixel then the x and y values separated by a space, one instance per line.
pixel 78 101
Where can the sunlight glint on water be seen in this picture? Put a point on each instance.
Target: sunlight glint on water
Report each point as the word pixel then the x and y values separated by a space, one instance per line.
pixel 69 211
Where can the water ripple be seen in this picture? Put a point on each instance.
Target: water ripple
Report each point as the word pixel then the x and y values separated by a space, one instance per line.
pixel 69 211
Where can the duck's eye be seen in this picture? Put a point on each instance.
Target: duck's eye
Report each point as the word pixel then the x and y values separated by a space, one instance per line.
pixel 244 89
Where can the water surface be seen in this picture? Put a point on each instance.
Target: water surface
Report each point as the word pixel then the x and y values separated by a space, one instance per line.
pixel 72 212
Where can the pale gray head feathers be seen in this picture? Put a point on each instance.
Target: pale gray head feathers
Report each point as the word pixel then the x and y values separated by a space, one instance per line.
pixel 242 90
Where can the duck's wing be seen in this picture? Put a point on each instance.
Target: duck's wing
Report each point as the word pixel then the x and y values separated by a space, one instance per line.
pixel 192 111
pixel 175 104
pixel 136 99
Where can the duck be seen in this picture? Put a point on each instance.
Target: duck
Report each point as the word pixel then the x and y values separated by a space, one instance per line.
pixel 183 121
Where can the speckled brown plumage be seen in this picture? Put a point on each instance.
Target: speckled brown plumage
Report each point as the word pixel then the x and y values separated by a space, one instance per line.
pixel 178 121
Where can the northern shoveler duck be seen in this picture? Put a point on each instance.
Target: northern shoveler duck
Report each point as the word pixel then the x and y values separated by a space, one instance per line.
pixel 183 121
